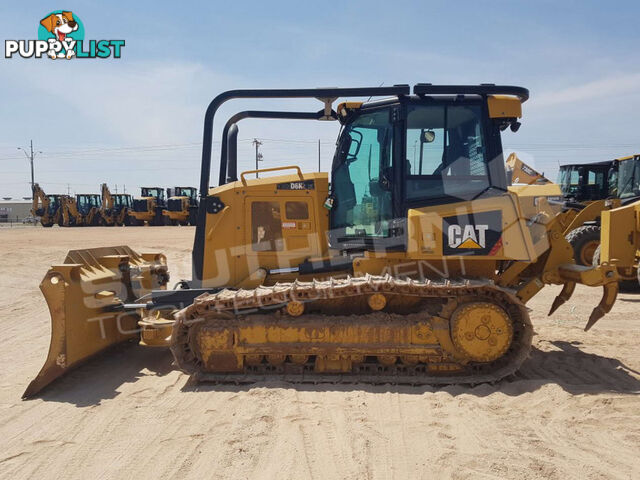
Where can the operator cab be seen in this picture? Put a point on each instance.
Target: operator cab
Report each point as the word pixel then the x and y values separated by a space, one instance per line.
pixel 154 192
pixel 54 203
pixel 85 202
pixel 121 200
pixel 628 178
pixel 410 152
pixel 585 182
pixel 189 192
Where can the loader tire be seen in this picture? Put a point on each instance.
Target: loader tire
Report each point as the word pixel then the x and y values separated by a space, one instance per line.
pixel 629 282
pixel 584 241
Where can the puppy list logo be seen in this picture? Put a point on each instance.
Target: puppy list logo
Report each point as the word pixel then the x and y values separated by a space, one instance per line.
pixel 61 36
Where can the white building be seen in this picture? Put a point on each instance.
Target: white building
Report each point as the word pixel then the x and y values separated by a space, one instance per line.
pixel 14 210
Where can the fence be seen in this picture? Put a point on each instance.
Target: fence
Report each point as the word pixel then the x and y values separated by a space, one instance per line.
pixel 16 220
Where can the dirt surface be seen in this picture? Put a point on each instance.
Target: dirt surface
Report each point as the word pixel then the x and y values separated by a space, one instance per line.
pixel 572 412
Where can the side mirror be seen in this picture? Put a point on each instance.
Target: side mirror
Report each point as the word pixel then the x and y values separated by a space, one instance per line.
pixel 428 136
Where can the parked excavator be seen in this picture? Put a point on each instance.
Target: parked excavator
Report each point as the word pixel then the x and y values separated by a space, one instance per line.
pixel 182 206
pixel 413 268
pixel 46 207
pixel 148 207
pixel 115 207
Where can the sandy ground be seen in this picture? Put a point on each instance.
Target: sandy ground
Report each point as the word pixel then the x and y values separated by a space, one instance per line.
pixel 572 412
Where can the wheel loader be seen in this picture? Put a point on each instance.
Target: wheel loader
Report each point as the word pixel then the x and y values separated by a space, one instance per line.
pixel 182 206
pixel 115 207
pixel 47 207
pixel 414 267
pixel 624 181
pixel 148 207
pixel 82 210
pixel 589 190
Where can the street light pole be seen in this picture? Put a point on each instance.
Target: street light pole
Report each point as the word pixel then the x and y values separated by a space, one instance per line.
pixel 30 156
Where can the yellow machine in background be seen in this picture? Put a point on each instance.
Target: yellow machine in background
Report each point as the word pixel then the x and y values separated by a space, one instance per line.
pixel 624 185
pixel 82 210
pixel 123 202
pixel 521 173
pixel 414 267
pixel 590 190
pixel 587 190
pixel 115 207
pixel 47 207
pixel 148 208
pixel 182 206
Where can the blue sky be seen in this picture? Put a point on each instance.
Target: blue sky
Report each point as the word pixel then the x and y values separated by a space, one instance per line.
pixel 138 120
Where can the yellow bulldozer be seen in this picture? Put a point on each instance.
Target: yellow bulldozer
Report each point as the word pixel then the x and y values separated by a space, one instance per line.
pixel 414 267
pixel 83 210
pixel 115 207
pixel 182 206
pixel 149 207
pixel 47 207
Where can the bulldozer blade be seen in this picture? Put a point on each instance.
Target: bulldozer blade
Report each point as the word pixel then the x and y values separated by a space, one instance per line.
pixel 610 292
pixel 81 294
pixel 563 296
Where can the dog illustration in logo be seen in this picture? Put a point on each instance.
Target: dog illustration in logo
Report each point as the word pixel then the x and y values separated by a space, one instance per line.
pixel 60 25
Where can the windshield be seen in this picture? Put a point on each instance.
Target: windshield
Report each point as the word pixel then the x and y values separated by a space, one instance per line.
pixel 153 192
pixel 360 177
pixel 629 178
pixel 85 202
pixel 54 203
pixel 122 200
pixel 569 179
pixel 183 192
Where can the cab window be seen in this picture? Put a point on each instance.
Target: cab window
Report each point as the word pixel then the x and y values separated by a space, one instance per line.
pixel 446 154
pixel 266 227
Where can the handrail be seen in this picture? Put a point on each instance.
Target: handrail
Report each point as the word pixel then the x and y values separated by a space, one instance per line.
pixel 229 169
pixel 272 169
